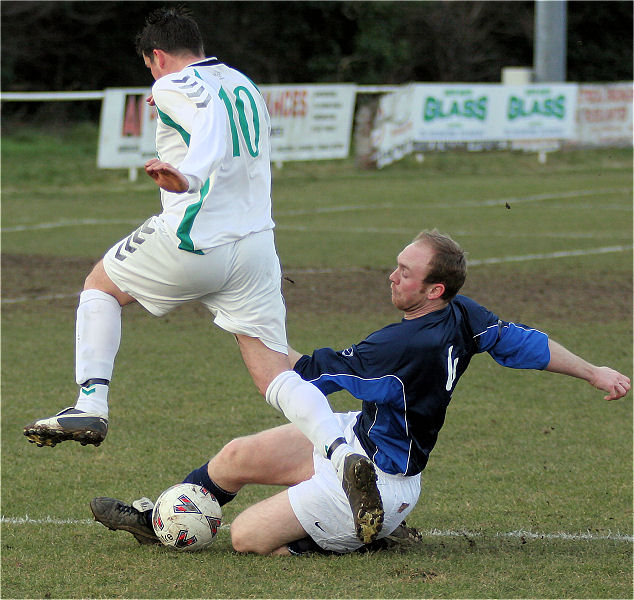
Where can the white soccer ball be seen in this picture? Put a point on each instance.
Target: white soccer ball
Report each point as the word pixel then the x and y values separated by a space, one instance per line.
pixel 186 517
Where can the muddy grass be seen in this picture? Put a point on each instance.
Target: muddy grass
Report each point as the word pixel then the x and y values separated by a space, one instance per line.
pixel 575 293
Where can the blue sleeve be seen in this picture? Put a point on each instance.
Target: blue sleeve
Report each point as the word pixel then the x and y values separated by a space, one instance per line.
pixel 366 370
pixel 322 361
pixel 510 344
pixel 516 346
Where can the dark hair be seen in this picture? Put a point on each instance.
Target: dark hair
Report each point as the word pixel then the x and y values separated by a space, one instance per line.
pixel 172 30
pixel 448 265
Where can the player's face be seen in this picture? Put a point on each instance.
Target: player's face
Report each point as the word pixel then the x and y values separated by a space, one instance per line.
pixel 408 290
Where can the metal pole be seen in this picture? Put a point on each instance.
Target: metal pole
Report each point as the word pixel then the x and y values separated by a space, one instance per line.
pixel 549 61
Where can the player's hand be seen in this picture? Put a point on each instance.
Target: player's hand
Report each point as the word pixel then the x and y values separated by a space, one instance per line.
pixel 150 100
pixel 166 176
pixel 615 384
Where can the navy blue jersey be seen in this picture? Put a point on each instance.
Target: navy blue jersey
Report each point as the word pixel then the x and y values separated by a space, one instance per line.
pixel 406 372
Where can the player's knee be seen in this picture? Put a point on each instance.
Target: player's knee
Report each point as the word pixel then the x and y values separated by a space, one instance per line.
pixel 244 541
pixel 96 276
pixel 239 541
pixel 234 452
pixel 99 280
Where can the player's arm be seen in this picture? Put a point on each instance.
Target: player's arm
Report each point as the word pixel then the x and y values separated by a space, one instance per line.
pixel 615 384
pixel 520 347
pixel 166 176
pixel 201 121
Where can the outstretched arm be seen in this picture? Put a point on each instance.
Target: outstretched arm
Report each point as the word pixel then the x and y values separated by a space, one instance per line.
pixel 615 384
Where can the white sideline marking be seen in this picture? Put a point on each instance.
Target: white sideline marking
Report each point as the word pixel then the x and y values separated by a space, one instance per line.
pixel 449 204
pixel 471 263
pixel 46 521
pixel 560 254
pixel 571 235
pixel 21 299
pixel 538 197
pixel 520 533
pixel 26 520
pixel 331 209
pixel 69 223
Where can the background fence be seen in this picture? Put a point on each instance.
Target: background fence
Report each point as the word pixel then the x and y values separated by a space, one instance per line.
pixel 316 121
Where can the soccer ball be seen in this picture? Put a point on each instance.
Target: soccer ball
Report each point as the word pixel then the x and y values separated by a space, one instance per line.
pixel 186 517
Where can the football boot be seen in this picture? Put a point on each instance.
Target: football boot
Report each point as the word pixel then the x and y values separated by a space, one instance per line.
pixel 135 519
pixel 359 484
pixel 68 424
pixel 401 539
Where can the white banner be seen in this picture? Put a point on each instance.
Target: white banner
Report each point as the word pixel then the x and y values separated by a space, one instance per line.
pixel 604 114
pixel 392 136
pixel 538 112
pixel 308 122
pixel 455 113
pixel 127 129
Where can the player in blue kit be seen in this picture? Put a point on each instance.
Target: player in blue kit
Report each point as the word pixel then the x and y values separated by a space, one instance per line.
pixel 404 374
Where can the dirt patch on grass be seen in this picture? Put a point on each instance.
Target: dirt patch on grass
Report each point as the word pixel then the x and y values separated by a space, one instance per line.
pixel 529 297
pixel 574 294
pixel 38 275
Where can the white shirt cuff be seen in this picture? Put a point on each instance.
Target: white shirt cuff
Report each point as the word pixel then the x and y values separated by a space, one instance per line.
pixel 194 184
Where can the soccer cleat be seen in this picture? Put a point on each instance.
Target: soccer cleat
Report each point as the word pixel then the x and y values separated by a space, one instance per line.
pixel 68 424
pixel 401 539
pixel 405 535
pixel 135 519
pixel 359 484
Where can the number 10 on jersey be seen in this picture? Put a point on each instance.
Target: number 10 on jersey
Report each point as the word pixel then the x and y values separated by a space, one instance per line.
pixel 250 128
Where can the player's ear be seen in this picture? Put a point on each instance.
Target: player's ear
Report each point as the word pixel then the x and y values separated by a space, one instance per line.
pixel 159 57
pixel 436 291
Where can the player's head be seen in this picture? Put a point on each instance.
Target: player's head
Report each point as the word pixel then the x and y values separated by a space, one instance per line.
pixel 172 30
pixel 447 264
pixel 429 273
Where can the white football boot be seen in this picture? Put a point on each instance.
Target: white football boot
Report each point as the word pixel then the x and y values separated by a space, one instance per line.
pixel 68 424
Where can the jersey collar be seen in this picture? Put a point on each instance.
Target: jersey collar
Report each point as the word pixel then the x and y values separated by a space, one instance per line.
pixel 206 62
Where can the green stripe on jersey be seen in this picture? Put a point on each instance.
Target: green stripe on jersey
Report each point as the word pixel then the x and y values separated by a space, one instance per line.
pixel 184 229
pixel 167 120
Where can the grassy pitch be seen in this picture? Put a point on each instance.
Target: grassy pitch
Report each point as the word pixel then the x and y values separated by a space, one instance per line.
pixel 528 493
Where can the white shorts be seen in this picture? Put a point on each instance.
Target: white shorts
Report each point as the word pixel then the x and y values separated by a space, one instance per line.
pixel 322 507
pixel 239 282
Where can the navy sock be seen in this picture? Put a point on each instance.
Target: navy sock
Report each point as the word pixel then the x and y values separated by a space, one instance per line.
pixel 201 477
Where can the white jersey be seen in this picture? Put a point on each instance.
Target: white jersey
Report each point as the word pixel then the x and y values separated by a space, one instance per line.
pixel 214 127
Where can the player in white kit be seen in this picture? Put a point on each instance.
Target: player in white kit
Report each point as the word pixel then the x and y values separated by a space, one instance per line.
pixel 213 242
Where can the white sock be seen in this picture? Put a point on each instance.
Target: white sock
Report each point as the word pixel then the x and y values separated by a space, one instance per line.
pixel 93 399
pixel 305 406
pixel 98 335
pixel 338 457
